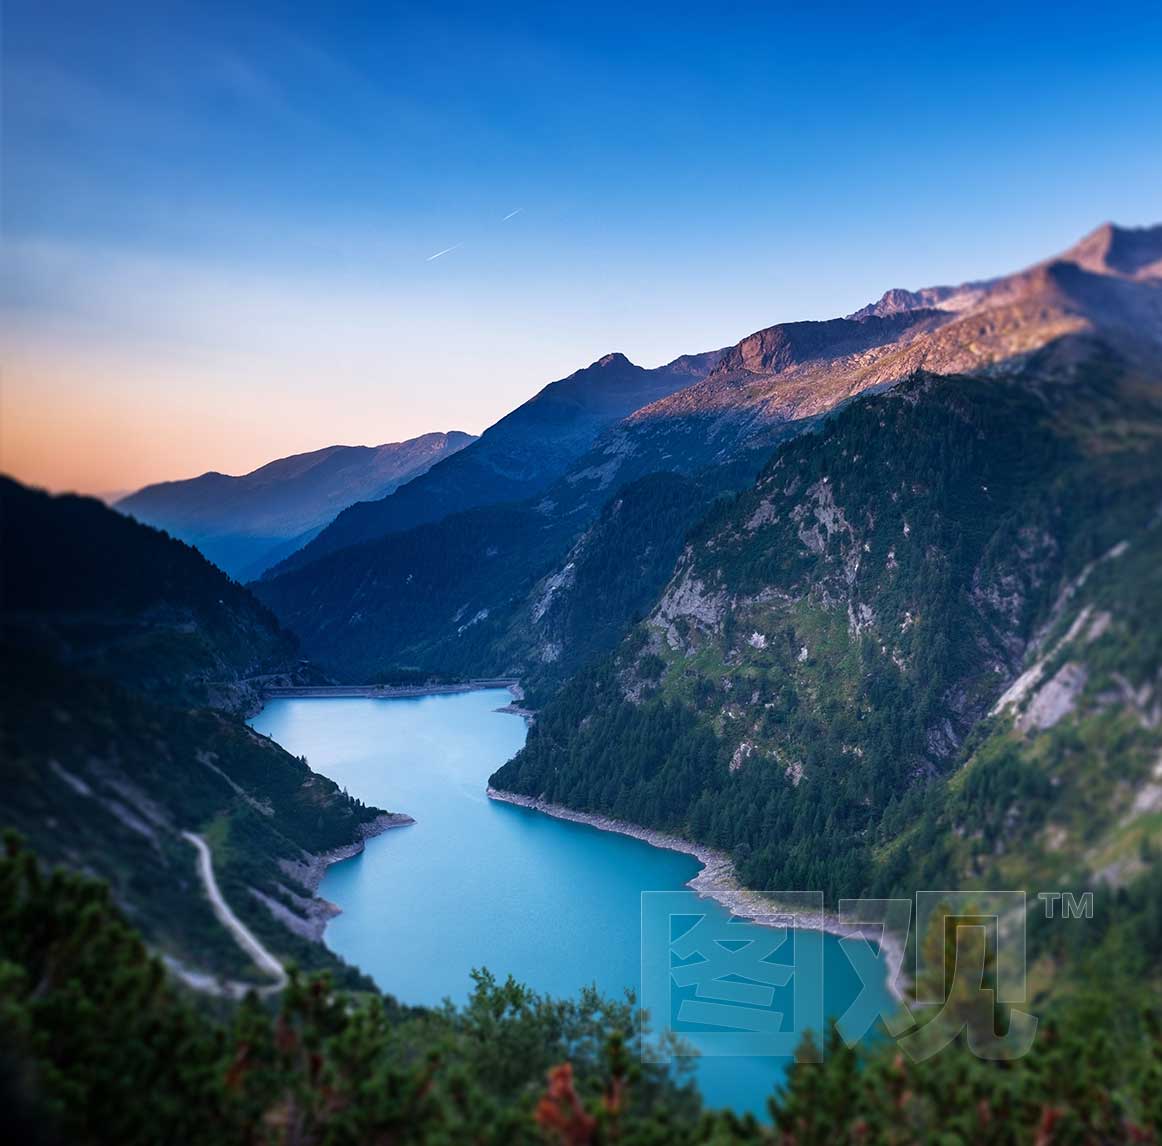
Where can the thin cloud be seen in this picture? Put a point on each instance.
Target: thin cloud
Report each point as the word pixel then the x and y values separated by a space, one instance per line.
pixel 445 251
pixel 511 214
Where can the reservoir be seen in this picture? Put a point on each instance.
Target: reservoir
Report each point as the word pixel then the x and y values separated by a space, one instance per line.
pixel 477 883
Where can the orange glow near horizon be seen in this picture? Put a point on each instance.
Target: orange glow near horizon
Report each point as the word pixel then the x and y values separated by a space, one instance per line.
pixel 113 427
pixel 154 369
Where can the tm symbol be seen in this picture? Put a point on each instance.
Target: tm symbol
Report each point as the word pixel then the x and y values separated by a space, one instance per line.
pixel 1072 906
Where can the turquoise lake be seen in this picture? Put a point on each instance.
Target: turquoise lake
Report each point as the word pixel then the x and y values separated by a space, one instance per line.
pixel 476 883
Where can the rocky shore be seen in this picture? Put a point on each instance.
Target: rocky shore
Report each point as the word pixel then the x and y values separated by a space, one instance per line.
pixel 310 871
pixel 517 710
pixel 717 880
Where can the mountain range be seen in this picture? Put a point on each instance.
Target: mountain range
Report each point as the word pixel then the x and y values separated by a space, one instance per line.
pixel 922 650
pixel 520 455
pixel 245 524
pixel 484 590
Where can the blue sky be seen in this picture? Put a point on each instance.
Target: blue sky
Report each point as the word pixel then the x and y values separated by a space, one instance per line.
pixel 218 218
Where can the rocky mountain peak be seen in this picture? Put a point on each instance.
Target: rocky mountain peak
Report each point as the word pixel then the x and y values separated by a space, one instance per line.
pixel 778 348
pixel 1131 252
pixel 901 301
pixel 616 358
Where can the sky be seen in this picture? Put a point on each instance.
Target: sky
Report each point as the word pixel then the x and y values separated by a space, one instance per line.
pixel 237 231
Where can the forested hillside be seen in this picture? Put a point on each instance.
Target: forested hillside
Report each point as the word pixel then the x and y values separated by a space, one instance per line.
pixel 100 1049
pixel 103 594
pixel 533 589
pixel 125 657
pixel 821 687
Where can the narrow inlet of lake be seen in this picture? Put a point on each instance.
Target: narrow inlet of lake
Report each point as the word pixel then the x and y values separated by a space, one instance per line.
pixel 476 883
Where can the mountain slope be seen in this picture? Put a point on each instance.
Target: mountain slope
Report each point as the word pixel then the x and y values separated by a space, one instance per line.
pixel 517 457
pixel 812 690
pixel 244 524
pixel 115 641
pixel 108 596
pixel 106 781
pixel 528 589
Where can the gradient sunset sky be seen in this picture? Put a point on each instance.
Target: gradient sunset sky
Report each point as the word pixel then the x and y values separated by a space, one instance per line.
pixel 219 218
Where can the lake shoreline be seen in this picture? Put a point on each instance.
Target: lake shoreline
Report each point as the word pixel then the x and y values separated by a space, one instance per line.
pixel 717 880
pixel 484 885
pixel 310 872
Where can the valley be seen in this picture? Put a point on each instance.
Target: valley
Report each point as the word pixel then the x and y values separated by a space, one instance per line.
pixel 478 883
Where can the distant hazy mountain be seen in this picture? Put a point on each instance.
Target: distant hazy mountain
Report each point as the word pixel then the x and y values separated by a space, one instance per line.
pixel 520 455
pixel 522 588
pixel 244 524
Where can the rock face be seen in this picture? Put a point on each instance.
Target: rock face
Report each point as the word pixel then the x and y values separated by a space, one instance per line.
pixel 245 524
pixel 1129 252
pixel 781 348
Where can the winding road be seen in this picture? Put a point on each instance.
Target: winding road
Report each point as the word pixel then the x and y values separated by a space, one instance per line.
pixel 244 937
